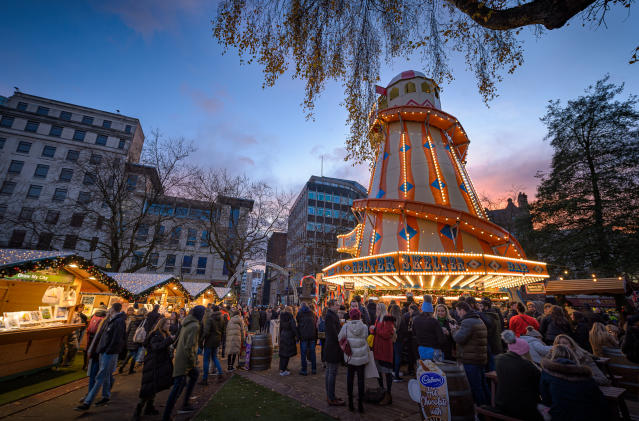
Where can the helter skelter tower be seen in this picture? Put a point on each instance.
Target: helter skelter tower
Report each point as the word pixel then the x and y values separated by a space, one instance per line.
pixel 422 224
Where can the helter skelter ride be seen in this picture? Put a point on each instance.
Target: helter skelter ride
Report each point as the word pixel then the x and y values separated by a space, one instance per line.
pixel 422 225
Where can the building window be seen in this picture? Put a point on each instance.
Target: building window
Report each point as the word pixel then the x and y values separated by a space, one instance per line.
pixel 65 115
pixel 42 110
pixel 15 167
pixel 3 140
pixel 201 265
pixel 309 226
pixel 52 217
pixel 327 212
pixel 320 212
pixel 3 211
pixel 101 140
pixel 89 179
pixel 311 195
pixel 187 262
pixel 66 174
pixel 99 222
pixel 41 171
pixel 138 257
pixel 56 131
pixel 79 135
pixel 48 151
pixel 142 233
pixel 34 191
pixel 169 264
pixel 131 182
pixel 153 261
pixel 394 93
pixel 26 214
pixel 70 241
pixel 311 210
pixel 95 159
pixel 44 241
pixel 32 126
pixel 87 119
pixel 7 188
pixel 106 124
pixel 76 220
pixel 6 121
pixel 23 147
pixel 72 155
pixel 204 239
pixel 329 198
pixel 121 144
pixel 59 195
pixel 93 245
pixel 234 215
pixel 127 128
pixel 17 238
pixel 180 212
pixel 22 106
pixel 320 196
pixel 175 236
pixel 84 197
pixel 191 237
pixel 410 87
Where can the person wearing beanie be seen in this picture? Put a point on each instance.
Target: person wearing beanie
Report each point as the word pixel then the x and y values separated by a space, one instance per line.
pixel 427 331
pixel 517 380
pixel 356 332
pixel 185 362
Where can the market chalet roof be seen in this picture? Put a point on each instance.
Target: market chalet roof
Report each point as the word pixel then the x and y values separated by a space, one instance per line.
pixel 10 257
pixel 195 289
pixel 141 283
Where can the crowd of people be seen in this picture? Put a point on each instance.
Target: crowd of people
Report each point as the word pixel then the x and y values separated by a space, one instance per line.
pixel 545 361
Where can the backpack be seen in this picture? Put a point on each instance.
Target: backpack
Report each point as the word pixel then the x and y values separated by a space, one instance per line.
pixel 94 324
pixel 140 334
pixel 630 346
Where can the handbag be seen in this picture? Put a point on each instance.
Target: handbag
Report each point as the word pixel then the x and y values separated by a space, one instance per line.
pixel 140 334
pixel 370 340
pixel 370 369
pixel 346 347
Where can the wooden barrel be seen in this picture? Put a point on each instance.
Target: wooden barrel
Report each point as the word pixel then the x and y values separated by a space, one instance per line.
pixel 261 352
pixel 462 406
pixel 619 365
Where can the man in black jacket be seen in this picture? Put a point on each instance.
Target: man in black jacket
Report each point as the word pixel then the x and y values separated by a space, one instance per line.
pixel 307 332
pixel 112 342
pixel 333 352
pixel 428 333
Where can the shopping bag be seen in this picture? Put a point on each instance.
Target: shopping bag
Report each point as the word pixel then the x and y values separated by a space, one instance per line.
pixel 370 371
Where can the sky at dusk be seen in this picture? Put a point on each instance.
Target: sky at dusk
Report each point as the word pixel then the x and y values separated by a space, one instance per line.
pixel 156 60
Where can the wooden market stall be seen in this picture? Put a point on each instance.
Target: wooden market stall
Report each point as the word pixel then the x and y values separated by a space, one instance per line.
pixel 201 292
pixel 38 293
pixel 154 288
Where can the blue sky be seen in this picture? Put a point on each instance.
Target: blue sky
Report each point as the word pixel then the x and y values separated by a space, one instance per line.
pixel 157 61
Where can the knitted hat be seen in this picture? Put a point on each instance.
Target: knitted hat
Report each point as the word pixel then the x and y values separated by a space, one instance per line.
pixel 519 347
pixel 427 307
pixel 354 314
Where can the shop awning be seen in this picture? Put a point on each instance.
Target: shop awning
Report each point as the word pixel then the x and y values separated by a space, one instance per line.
pixel 586 286
pixel 142 284
pixel 16 261
pixel 195 289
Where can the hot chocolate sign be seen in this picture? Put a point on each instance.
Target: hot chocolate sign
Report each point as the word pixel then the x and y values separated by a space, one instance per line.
pixel 430 390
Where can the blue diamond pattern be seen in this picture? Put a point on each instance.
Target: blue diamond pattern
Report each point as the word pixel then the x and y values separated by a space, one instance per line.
pixel 447 231
pixel 376 238
pixel 380 194
pixel 463 187
pixel 447 147
pixel 385 155
pixel 436 184
pixel 404 148
pixel 427 145
pixel 406 187
pixel 411 233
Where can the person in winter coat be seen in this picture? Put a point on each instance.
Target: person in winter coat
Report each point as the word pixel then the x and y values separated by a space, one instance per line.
pixel 363 311
pixel 262 320
pixel 132 346
pixel 307 334
pixel 491 320
pixel 288 340
pixel 428 333
pixel 531 310
pixel 600 338
pixel 398 344
pixel 235 333
pixel 538 349
pixel 92 329
pixel 372 310
pixel 449 327
pixel 408 331
pixel 584 358
pixel 112 340
pixel 332 352
pixel 519 322
pixel 213 331
pixel 568 388
pixel 518 380
pixel 472 349
pixel 384 331
pixel 630 341
pixel 255 320
pixel 157 373
pixel 486 306
pixel 581 330
pixel 152 318
pixel 174 323
pixel 554 324
pixel 185 362
pixel 356 332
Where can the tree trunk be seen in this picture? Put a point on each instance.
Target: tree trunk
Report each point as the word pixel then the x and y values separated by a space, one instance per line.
pixel 602 240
